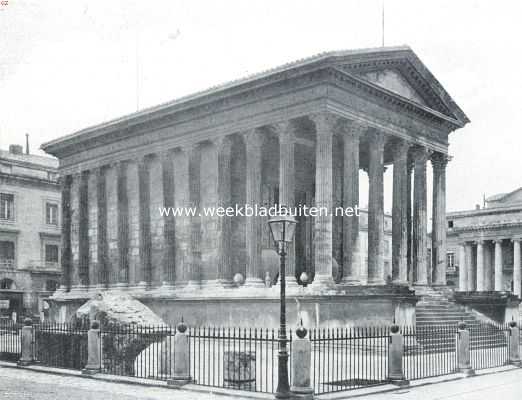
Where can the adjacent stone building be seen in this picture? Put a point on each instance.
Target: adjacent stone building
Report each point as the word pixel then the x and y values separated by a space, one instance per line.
pixel 484 245
pixel 30 199
pixel 296 135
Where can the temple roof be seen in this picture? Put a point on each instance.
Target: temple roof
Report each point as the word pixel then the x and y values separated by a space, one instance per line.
pixel 395 71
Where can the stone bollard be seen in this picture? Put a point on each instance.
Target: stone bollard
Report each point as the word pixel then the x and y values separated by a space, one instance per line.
pixel 463 350
pixel 94 352
pixel 301 355
pixel 514 349
pixel 180 356
pixel 395 355
pixel 27 348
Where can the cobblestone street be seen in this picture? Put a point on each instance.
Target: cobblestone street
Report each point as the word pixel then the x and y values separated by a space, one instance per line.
pixel 18 384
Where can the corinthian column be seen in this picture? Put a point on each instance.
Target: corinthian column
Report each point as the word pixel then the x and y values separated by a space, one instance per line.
pixel 254 142
pixel 286 137
pixel 420 218
pixel 399 214
pixel 498 265
pixel 182 222
pixel 224 223
pixel 169 250
pixel 438 231
pixel 75 230
pixel 351 243
pixel 463 271
pixel 376 210
pixel 83 265
pixel 324 124
pixel 66 234
pixel 480 266
pixel 517 289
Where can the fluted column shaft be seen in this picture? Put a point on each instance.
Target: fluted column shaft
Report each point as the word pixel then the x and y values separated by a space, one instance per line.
pixel 420 218
pixel 92 215
pixel 287 185
pixel 83 234
pixel 498 265
pixel 254 144
pixel 480 267
pixel 472 284
pixel 123 224
pixel 195 199
pixel 376 210
pixel 182 222
pixel 102 245
pixel 463 269
pixel 135 268
pixel 75 229
pixel 145 248
pixel 324 124
pixel 409 222
pixel 351 243
pixel 224 223
pixel 438 231
pixel 169 249
pixel 517 273
pixel 66 233
pixel 399 214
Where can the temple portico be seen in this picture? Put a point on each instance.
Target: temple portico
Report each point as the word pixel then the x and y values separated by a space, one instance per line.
pixel 298 135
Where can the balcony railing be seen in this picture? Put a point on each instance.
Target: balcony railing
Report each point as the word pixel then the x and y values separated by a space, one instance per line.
pixel 41 265
pixel 7 263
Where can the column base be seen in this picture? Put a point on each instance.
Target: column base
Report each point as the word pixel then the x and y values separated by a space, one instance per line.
pixel 515 363
pixel 254 283
pixel 376 282
pixel 351 281
pixel 24 363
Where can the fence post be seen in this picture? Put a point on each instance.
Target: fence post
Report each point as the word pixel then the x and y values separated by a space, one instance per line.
pixel 27 343
pixel 463 350
pixel 180 357
pixel 93 349
pixel 514 339
pixel 395 355
pixel 301 356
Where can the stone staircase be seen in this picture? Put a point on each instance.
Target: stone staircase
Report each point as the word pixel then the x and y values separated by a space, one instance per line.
pixel 437 316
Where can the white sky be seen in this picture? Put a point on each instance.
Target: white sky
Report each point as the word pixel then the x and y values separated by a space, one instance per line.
pixel 65 64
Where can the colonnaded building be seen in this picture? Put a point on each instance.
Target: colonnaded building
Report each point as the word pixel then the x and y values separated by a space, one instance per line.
pixel 296 134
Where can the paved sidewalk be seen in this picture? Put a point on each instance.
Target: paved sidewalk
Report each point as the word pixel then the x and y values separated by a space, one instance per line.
pixel 503 383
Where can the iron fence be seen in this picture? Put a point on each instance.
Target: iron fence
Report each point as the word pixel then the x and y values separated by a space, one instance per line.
pixel 140 351
pixel 235 358
pixel 429 351
pixel 488 345
pixel 349 358
pixel 61 345
pixel 10 348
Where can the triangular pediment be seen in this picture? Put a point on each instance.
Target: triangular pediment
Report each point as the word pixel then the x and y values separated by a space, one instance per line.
pixel 394 81
pixel 400 71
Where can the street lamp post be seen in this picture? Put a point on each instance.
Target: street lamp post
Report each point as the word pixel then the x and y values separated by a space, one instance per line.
pixel 282 228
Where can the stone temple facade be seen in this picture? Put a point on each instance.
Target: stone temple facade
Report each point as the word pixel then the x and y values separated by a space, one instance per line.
pixel 298 134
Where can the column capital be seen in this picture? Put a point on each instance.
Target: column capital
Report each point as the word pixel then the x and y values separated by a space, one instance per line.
pixel 284 128
pixel 400 149
pixel 439 160
pixel 324 122
pixel 253 137
pixel 479 241
pixel 376 137
pixel 513 240
pixel 222 143
pixel 499 241
pixel 352 129
pixel 420 154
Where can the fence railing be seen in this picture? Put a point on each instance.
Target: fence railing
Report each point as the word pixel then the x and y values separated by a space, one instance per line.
pixel 61 345
pixel 349 358
pixel 247 359
pixel 10 348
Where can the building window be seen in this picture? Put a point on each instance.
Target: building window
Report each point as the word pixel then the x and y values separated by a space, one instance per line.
pixel 51 214
pixel 51 285
pixel 450 261
pixel 450 224
pixel 7 254
pixel 6 284
pixel 7 206
pixel 51 253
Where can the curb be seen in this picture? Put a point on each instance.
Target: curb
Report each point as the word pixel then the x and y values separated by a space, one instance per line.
pixel 386 388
